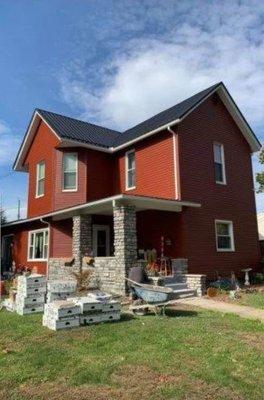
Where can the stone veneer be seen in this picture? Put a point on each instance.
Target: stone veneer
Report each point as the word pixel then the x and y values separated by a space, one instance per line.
pixel 196 282
pixel 109 272
pixel 81 238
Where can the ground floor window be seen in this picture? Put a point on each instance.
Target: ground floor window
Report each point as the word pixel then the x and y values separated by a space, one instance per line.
pixel 224 235
pixel 38 244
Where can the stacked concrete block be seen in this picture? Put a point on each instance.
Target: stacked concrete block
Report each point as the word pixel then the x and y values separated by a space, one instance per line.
pixel 61 314
pixel 95 311
pixel 60 290
pixel 30 297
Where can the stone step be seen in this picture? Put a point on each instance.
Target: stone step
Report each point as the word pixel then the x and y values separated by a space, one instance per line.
pixel 184 293
pixel 177 286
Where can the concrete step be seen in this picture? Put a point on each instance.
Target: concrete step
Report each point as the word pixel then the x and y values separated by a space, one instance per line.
pixel 177 286
pixel 184 293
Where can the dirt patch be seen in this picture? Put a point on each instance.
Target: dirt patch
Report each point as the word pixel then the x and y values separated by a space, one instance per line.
pixel 254 340
pixel 129 383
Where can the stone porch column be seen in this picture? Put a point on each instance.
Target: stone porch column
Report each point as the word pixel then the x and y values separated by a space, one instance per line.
pixel 81 238
pixel 125 240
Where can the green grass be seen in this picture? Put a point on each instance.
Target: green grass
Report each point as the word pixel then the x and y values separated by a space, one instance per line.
pixel 190 354
pixel 253 300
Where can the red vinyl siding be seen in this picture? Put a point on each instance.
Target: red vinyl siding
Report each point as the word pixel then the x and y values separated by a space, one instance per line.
pixel 42 149
pixel 235 201
pixel 154 168
pixel 61 239
pixel 100 175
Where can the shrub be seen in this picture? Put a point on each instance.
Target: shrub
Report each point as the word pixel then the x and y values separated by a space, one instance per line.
pixel 83 278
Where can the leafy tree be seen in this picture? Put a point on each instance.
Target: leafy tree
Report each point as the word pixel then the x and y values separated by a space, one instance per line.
pixel 260 175
pixel 3 217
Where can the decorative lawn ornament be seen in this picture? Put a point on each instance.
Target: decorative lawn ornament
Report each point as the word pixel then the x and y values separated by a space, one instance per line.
pixel 247 270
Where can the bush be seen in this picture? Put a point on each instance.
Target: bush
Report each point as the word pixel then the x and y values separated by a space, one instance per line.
pixel 83 278
pixel 258 278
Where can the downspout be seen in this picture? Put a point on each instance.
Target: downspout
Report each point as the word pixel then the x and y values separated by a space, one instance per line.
pixel 47 223
pixel 175 163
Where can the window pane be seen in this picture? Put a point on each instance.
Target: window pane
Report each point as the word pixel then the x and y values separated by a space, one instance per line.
pixel 41 170
pixel 219 172
pixel 69 180
pixel 218 153
pixel 40 187
pixel 46 237
pixel 222 229
pixel 31 239
pixel 69 162
pixel 39 245
pixel 45 251
pixel 31 252
pixel 131 178
pixel 131 160
pixel 224 242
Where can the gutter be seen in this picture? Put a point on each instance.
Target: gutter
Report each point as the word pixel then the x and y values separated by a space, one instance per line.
pixel 47 267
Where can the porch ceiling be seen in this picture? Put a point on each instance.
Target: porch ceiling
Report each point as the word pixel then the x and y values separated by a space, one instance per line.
pixel 105 206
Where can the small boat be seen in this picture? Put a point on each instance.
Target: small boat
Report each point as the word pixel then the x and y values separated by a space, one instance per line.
pixel 151 294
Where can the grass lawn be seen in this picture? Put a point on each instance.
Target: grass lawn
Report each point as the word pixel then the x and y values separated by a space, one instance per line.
pixel 253 300
pixel 191 354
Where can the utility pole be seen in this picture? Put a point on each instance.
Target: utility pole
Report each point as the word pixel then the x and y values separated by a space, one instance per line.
pixel 18 209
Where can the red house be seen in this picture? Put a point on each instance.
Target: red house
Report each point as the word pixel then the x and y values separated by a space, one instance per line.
pixel 184 175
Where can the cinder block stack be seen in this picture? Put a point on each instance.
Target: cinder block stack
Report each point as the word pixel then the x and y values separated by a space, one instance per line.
pixel 61 314
pixel 60 290
pixel 30 297
pixel 95 311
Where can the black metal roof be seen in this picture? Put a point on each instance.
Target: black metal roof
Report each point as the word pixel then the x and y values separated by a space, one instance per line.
pixel 81 131
pixel 84 132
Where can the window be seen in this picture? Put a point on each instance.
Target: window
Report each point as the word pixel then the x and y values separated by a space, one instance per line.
pixel 40 179
pixel 224 235
pixel 219 163
pixel 38 244
pixel 130 170
pixel 69 179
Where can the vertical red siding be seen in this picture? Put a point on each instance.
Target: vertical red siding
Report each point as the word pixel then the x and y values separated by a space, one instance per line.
pixel 61 238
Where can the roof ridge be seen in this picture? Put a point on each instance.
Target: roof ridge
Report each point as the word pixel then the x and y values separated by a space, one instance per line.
pixel 170 108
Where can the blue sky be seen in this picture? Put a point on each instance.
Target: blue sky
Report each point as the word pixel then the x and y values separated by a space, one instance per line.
pixel 118 62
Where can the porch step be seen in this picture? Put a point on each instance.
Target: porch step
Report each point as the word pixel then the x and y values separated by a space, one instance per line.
pixel 177 286
pixel 184 293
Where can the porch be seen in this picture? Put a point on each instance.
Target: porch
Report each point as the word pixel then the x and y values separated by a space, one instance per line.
pixel 116 232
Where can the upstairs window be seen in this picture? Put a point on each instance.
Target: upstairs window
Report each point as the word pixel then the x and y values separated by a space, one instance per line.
pixel 224 235
pixel 40 179
pixel 219 164
pixel 130 170
pixel 70 167
pixel 38 244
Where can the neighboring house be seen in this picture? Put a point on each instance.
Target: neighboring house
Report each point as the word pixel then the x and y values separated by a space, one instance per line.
pixel 184 175
pixel 260 218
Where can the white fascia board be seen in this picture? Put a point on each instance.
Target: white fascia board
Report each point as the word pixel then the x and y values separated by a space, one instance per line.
pixel 28 140
pixel 146 135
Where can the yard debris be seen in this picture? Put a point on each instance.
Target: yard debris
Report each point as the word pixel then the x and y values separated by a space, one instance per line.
pixel 60 290
pixel 61 314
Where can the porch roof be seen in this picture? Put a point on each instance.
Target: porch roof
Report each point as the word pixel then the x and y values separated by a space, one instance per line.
pixel 105 207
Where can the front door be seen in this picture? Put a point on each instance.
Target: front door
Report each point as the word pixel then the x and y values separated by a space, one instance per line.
pixel 101 241
pixel 7 243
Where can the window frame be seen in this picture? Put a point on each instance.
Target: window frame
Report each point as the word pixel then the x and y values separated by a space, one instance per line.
pixel 223 182
pixel 63 172
pixel 131 169
pixel 231 235
pixel 34 232
pixel 37 195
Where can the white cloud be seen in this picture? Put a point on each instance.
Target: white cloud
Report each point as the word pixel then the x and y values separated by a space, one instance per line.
pixel 206 44
pixel 8 144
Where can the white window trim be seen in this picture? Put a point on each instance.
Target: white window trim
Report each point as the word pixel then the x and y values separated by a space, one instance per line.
pixel 126 157
pixel 77 164
pixel 223 221
pixel 37 196
pixel 28 253
pixel 223 163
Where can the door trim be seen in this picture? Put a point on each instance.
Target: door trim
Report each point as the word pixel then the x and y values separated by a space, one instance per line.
pixel 97 228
